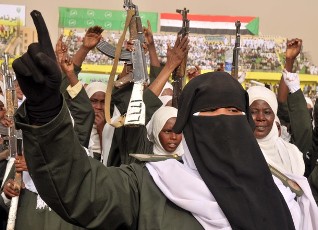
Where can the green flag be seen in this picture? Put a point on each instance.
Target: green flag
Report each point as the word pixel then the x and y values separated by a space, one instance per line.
pixel 253 26
pixel 108 19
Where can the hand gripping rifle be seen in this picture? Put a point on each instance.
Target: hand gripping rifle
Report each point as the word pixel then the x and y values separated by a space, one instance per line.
pixel 136 108
pixel 179 72
pixel 14 137
pixel 236 50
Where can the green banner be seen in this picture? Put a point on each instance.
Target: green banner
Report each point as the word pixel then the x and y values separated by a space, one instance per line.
pixel 108 19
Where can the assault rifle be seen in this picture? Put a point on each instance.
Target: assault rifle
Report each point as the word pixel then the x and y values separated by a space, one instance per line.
pixel 179 72
pixel 11 106
pixel 136 108
pixel 13 140
pixel 236 50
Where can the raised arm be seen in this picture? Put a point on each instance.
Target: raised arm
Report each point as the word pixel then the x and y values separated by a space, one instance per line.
pixel 154 61
pixel 90 40
pixel 174 58
pixel 292 51
pixel 289 88
pixel 66 179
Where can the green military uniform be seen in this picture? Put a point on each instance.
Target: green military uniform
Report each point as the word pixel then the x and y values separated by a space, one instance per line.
pixel 313 178
pixel 81 110
pixel 294 114
pixel 128 140
pixel 83 191
pixel 28 217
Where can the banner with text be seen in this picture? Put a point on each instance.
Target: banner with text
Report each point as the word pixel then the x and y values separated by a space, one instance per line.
pixel 12 15
pixel 108 19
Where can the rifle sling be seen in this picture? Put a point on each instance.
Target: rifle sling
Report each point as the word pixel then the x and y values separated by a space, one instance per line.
pixel 294 187
pixel 119 122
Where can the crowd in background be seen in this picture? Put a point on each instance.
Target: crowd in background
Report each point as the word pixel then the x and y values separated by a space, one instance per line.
pixel 258 53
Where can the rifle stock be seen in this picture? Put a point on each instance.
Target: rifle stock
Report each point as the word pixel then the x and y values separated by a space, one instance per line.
pixel 179 73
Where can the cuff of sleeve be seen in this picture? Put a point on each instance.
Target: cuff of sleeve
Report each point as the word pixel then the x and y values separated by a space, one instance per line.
pixel 73 91
pixel 7 201
pixel 294 89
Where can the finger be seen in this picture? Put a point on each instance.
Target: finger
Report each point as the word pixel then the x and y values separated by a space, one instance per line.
pixel 90 30
pixel 300 42
pixel 58 44
pixel 33 50
pixel 184 42
pixel 48 65
pixel 17 160
pixel 99 30
pixel 64 58
pixel 12 193
pixel 178 41
pixel 149 25
pixel 20 68
pixel 191 71
pixel 43 33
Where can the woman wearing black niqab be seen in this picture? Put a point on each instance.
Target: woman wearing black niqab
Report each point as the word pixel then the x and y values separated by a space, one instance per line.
pixel 226 156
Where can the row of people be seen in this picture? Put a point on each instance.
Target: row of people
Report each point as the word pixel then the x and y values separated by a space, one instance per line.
pixel 257 53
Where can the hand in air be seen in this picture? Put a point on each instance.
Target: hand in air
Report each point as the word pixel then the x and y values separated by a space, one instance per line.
pixel 39 76
pixel 176 54
pixel 293 48
pixel 92 37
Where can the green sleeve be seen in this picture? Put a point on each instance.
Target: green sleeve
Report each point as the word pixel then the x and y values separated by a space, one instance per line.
pixel 65 83
pixel 154 72
pixel 283 114
pixel 313 181
pixel 80 189
pixel 83 114
pixel 300 121
pixel 313 154
pixel 81 110
pixel 152 103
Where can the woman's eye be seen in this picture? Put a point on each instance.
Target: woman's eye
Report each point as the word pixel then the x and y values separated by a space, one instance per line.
pixel 234 110
pixel 166 131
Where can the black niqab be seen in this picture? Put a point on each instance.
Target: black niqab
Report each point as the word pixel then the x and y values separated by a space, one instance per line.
pixel 227 155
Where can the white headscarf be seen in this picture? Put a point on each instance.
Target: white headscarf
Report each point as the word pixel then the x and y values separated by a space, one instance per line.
pixel 187 190
pixel 280 154
pixel 165 98
pixel 94 87
pixel 94 142
pixel 158 120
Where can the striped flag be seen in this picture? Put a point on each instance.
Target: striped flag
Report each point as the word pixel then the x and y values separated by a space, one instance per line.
pixel 209 24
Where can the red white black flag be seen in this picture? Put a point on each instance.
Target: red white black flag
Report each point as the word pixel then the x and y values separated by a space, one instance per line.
pixel 209 24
